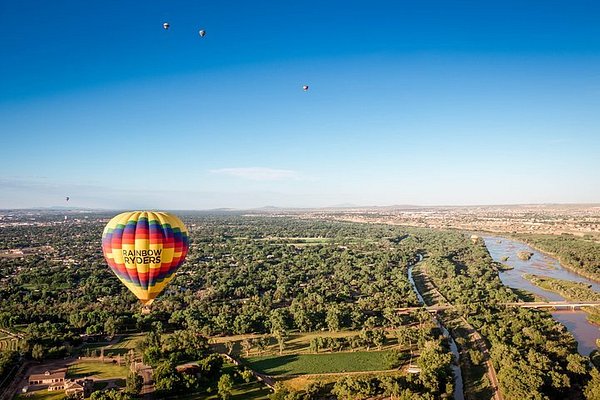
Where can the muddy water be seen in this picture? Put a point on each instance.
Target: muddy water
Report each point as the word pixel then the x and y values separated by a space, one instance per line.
pixel 541 264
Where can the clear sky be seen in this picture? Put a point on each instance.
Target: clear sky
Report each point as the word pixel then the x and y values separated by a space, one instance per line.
pixel 410 102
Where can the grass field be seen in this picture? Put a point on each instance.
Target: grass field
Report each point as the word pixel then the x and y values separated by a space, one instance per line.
pixel 297 343
pixel 96 369
pixel 320 363
pixel 42 395
pixel 303 381
pixel 124 344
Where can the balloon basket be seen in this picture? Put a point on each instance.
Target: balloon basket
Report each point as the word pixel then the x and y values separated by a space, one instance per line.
pixel 146 310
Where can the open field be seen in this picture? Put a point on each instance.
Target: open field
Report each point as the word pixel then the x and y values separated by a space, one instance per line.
pixel 96 369
pixel 301 382
pixel 296 364
pixel 42 395
pixel 297 343
pixel 121 347
pixel 124 345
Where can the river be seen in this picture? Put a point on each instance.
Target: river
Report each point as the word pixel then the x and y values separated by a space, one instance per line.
pixel 458 381
pixel 542 264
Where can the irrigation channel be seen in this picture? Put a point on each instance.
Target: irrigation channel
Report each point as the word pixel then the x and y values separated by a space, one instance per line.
pixel 458 381
pixel 576 322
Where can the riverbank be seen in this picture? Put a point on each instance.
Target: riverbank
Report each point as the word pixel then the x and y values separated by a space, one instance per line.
pixel 585 332
pixel 529 240
pixel 572 291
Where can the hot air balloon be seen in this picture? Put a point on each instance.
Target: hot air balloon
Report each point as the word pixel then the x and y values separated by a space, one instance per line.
pixel 202 33
pixel 166 25
pixel 305 88
pixel 67 198
pixel 144 249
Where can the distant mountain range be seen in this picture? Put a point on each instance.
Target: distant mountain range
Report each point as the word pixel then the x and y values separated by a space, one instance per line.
pixel 341 206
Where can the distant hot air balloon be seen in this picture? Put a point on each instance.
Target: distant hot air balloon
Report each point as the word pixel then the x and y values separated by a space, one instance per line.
pixel 202 33
pixel 68 198
pixel 305 88
pixel 166 25
pixel 144 249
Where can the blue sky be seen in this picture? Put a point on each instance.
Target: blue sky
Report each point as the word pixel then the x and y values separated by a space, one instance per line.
pixel 410 102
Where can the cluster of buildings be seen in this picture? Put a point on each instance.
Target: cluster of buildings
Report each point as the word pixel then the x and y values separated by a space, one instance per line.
pixel 57 381
pixel 546 219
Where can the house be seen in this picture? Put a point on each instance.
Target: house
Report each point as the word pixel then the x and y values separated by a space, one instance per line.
pixel 56 386
pixel 81 388
pixel 48 378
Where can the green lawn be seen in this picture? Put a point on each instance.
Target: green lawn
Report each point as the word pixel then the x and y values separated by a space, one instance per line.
pixel 320 363
pixel 124 345
pixel 296 343
pixel 42 395
pixel 96 369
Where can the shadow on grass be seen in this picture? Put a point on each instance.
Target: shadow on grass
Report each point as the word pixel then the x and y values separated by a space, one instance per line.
pixel 273 365
pixel 481 389
pixel 76 373
pixel 100 385
pixel 252 390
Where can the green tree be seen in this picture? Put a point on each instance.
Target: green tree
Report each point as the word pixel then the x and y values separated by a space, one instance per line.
pixel 435 366
pixel 281 336
pixel 332 319
pixel 112 326
pixel 225 387
pixel 278 320
pixel 592 389
pixel 314 345
pixel 577 363
pixel 379 338
pixel 37 352
pixel 247 346
pixel 166 378
pixel 110 394
pixel 247 375
pixel 134 383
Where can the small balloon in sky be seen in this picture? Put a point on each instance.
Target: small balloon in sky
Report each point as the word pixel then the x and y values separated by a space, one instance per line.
pixel 305 88
pixel 67 198
pixel 166 25
pixel 202 33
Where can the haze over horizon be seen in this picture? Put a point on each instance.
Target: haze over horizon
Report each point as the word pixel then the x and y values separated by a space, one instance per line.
pixel 424 103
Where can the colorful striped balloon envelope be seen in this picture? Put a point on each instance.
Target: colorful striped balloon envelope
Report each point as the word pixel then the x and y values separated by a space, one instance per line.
pixel 144 249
